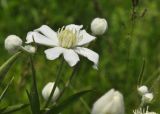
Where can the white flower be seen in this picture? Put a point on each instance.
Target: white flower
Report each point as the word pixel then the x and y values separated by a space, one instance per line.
pixel 29 48
pixel 147 98
pixel 12 43
pixel 99 26
pixel 67 41
pixel 47 91
pixel 142 90
pixel 110 103
pixel 143 111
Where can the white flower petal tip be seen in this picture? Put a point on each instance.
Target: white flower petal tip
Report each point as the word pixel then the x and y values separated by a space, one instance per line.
pixel 47 91
pixel 48 32
pixel 29 38
pixel 142 90
pixel 99 26
pixel 95 67
pixel 110 103
pixel 30 49
pixel 12 43
pixel 53 53
pixel 71 57
pixel 147 98
pixel 91 55
pixel 74 27
pixel 39 39
pixel 86 38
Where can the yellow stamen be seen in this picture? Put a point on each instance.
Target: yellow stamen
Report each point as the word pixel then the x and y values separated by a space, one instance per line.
pixel 67 38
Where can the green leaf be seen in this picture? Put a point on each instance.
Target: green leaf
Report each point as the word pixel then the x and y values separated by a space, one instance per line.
pixel 33 95
pixel 5 90
pixel 7 65
pixel 59 108
pixel 14 108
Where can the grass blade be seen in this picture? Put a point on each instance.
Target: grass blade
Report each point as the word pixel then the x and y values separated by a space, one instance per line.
pixel 5 90
pixel 59 108
pixel 33 96
pixel 14 108
pixel 7 65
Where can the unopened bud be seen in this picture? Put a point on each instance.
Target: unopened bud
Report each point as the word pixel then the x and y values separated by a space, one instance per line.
pixel 47 91
pixel 99 26
pixel 147 98
pixel 142 90
pixel 12 43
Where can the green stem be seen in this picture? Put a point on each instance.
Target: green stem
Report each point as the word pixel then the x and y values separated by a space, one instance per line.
pixel 35 104
pixel 4 68
pixel 82 101
pixel 56 82
pixel 68 82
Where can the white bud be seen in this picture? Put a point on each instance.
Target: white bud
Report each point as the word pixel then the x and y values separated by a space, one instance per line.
pixel 110 103
pixel 142 90
pixel 29 49
pixel 12 43
pixel 147 98
pixel 47 91
pixel 99 26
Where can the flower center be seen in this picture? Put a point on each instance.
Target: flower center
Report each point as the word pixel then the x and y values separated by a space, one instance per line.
pixel 67 38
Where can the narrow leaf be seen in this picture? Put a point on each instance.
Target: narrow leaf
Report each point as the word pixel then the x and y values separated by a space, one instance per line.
pixel 5 90
pixel 34 97
pixel 14 108
pixel 4 68
pixel 28 95
pixel 59 108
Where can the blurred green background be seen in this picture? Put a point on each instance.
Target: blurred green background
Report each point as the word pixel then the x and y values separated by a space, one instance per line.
pixel 122 48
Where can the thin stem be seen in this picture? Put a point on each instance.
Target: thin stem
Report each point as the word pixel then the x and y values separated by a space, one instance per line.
pixel 33 73
pixel 153 76
pixel 140 77
pixel 56 82
pixel 85 105
pixel 82 101
pixel 68 82
pixel 34 90
pixel 97 7
pixel 133 22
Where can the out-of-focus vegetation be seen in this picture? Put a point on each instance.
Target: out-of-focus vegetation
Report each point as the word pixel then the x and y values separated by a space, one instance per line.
pixel 122 49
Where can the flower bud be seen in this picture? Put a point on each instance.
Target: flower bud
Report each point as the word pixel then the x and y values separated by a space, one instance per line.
pixel 47 91
pixel 99 26
pixel 147 98
pixel 12 43
pixel 29 49
pixel 110 103
pixel 142 90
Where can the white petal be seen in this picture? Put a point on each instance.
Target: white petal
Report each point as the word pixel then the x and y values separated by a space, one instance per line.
pixel 91 55
pixel 47 31
pixel 85 38
pixel 110 103
pixel 71 57
pixel 40 39
pixel 74 27
pixel 102 102
pixel 53 53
